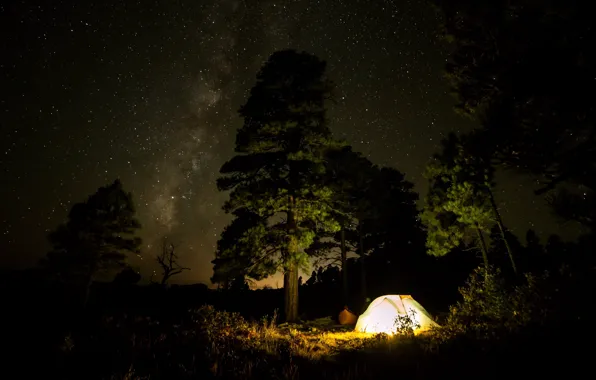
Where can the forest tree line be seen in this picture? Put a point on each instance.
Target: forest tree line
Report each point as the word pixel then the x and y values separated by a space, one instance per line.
pixel 298 194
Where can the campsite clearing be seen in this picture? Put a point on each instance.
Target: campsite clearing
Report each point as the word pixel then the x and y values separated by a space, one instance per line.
pixel 321 338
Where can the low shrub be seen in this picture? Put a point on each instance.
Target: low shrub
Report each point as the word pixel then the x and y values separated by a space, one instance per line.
pixel 491 308
pixel 206 343
pixel 492 323
pixel 405 325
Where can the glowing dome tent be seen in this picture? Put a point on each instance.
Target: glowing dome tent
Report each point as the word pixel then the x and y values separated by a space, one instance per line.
pixel 382 314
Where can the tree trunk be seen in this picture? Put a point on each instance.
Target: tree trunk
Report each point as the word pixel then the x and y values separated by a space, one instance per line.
pixel 482 246
pixel 362 267
pixel 503 236
pixel 344 266
pixel 291 293
pixel 87 290
pixel 291 272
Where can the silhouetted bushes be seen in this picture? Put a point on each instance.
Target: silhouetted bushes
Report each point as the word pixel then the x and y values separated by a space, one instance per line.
pixel 498 327
pixel 540 323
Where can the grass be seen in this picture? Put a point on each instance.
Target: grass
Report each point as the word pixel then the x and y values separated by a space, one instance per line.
pixel 316 340
pixel 319 339
pixel 492 330
pixel 215 344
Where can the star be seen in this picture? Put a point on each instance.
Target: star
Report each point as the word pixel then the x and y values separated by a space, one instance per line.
pixel 148 93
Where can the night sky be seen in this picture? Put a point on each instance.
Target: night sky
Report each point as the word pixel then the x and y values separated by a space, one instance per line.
pixel 149 91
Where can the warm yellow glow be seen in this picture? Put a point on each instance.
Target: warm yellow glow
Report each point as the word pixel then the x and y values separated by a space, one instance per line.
pixel 386 314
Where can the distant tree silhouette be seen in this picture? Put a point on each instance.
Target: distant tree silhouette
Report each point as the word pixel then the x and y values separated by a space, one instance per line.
pixel 353 175
pixel 325 276
pixel 312 279
pixel 168 262
pixel 388 220
pixel 394 234
pixel 577 205
pixel 238 284
pixel 395 224
pixel 349 174
pixel 330 275
pixel 128 276
pixel 96 238
pixel 533 243
pixel 320 275
pixel 534 253
pixel 375 207
pixel 277 174
pixel 526 70
pixel 554 245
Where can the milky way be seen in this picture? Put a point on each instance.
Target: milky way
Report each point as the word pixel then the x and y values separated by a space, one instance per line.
pixel 149 92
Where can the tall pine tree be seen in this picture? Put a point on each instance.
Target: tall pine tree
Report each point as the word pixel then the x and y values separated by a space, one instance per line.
pixel 376 209
pixel 278 172
pixel 350 175
pixel 457 206
pixel 461 198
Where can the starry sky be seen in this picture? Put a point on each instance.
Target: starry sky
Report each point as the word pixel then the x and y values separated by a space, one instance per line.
pixel 148 91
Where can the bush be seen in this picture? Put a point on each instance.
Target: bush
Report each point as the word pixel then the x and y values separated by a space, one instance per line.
pixel 492 323
pixel 406 324
pixel 235 347
pixel 489 307
pixel 206 343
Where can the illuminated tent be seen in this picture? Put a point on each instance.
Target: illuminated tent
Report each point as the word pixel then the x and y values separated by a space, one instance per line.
pixel 382 313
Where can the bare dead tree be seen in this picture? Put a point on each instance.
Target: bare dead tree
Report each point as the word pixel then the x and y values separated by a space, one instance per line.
pixel 168 261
